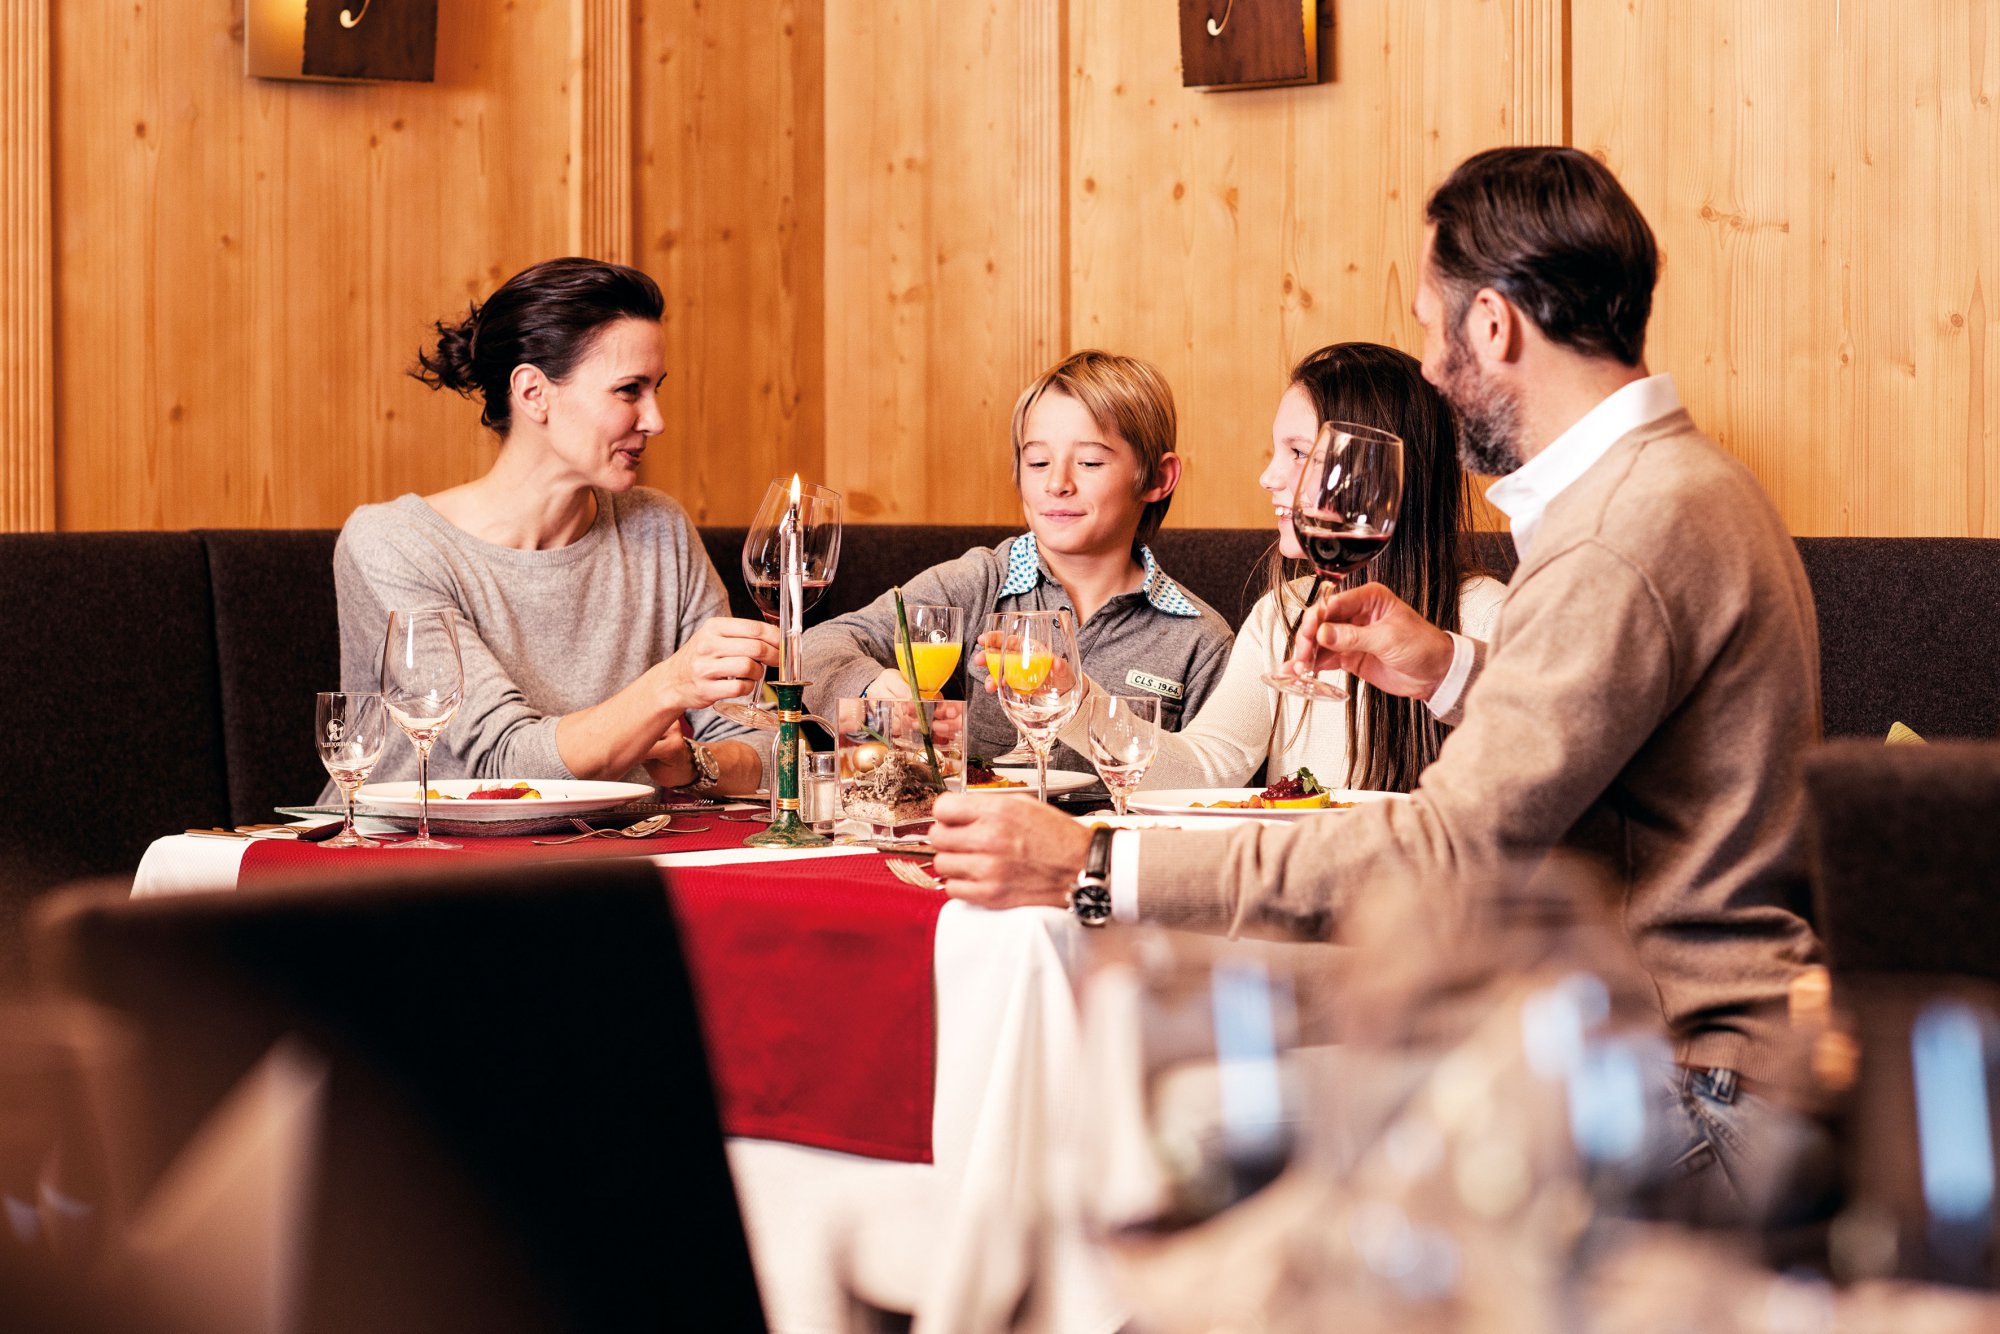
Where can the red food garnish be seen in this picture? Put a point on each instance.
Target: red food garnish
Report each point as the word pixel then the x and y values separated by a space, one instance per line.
pixel 498 793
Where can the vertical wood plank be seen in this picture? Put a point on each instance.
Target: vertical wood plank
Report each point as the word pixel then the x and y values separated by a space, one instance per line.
pixel 1223 235
pixel 602 143
pixel 1825 184
pixel 730 209
pixel 944 247
pixel 246 268
pixel 27 259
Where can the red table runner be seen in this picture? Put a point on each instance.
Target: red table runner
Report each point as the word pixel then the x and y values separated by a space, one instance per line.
pixel 814 980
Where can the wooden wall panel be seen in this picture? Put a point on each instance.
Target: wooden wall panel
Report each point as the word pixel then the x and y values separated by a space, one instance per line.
pixel 944 246
pixel 247 267
pixel 27 278
pixel 1825 183
pixel 1222 235
pixel 729 207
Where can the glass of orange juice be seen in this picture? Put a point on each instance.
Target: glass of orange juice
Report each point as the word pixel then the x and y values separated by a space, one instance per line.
pixel 937 639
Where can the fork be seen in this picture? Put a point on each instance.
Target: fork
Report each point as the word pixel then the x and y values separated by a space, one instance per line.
pixel 912 873
pixel 652 824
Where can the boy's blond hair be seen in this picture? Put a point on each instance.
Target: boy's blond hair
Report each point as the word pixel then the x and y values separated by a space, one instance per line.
pixel 1124 395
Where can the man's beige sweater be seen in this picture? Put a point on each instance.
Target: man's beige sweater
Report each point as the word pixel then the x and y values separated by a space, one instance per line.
pixel 1647 698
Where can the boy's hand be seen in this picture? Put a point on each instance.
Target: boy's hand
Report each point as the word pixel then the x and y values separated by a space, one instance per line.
pixel 891 684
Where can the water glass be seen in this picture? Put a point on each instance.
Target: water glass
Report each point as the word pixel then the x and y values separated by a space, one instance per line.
pixel 352 727
pixel 1124 738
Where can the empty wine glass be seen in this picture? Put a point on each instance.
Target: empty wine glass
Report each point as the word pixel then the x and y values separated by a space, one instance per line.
pixel 423 683
pixel 818 553
pixel 352 728
pixel 1343 512
pixel 1041 681
pixel 1124 738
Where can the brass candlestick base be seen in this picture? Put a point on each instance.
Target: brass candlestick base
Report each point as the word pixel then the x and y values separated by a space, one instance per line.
pixel 788 830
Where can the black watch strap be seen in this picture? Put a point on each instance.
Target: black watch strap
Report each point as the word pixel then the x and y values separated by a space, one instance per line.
pixel 1091 899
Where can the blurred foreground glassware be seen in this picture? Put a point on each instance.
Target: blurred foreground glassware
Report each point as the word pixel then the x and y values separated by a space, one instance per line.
pixel 423 683
pixel 353 726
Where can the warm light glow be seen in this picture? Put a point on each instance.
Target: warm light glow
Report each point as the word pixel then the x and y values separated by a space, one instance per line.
pixel 795 490
pixel 348 18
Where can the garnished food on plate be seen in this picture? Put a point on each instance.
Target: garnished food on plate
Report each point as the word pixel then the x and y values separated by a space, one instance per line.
pixel 1297 791
pixel 508 792
pixel 978 773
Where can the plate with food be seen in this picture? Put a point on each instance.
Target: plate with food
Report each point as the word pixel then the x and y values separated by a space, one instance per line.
pixel 1290 798
pixel 477 799
pixel 981 779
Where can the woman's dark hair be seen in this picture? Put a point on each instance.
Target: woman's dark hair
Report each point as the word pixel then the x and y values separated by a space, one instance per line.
pixel 1551 230
pixel 1392 739
pixel 545 316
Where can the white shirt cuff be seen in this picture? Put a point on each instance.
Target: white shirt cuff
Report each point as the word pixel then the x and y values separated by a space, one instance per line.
pixel 1446 697
pixel 1125 875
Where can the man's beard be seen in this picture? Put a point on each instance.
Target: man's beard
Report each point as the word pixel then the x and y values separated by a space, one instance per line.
pixel 1489 418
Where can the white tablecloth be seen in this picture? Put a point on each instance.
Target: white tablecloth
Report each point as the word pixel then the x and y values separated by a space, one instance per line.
pixel 945 1237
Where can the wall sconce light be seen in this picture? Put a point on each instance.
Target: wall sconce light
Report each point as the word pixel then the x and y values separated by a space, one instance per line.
pixel 340 39
pixel 1249 43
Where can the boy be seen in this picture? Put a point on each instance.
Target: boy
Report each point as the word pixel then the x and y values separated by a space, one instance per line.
pixel 1095 465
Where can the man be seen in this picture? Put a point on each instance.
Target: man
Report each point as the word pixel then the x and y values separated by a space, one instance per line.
pixel 1648 693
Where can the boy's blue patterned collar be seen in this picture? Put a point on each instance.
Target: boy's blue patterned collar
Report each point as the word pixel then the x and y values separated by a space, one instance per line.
pixel 1024 571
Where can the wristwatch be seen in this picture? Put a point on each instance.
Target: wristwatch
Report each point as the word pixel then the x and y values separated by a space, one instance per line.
pixel 707 770
pixel 1090 900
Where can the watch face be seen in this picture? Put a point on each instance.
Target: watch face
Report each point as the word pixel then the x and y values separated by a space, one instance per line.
pixel 1092 904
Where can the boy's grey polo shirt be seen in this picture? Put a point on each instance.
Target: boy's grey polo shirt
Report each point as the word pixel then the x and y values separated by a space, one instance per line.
pixel 1156 639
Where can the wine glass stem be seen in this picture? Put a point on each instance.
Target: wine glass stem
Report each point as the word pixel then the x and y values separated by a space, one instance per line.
pixel 423 793
pixel 1041 749
pixel 347 824
pixel 1118 798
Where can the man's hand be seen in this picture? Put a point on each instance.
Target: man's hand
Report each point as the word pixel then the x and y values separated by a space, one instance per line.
pixel 890 684
pixel 717 662
pixel 1377 636
pixel 668 762
pixel 1006 852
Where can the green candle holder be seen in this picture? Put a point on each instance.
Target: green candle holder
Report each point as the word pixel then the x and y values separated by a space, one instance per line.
pixel 788 830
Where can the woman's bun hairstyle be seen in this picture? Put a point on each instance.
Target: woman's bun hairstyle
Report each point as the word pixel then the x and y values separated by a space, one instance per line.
pixel 546 316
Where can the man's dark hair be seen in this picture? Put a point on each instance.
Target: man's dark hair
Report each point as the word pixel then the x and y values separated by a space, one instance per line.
pixel 1551 230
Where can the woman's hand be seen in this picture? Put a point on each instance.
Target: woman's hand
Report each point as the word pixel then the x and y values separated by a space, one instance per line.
pixel 1006 852
pixel 718 662
pixel 1377 636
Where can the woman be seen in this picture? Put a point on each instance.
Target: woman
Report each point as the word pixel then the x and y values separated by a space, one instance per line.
pixel 1372 740
pixel 593 629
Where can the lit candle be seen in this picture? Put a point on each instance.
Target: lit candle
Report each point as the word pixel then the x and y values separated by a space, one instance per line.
pixel 791 589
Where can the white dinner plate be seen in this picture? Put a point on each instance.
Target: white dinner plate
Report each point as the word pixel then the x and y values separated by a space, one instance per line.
pixel 1199 801
pixel 1060 781
pixel 560 796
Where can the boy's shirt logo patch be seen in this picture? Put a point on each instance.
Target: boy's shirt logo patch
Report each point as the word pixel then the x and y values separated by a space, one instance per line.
pixel 1154 684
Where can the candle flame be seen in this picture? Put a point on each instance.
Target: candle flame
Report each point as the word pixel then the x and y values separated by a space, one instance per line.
pixel 795 488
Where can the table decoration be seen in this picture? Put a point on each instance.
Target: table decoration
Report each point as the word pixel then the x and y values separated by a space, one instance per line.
pixel 787 830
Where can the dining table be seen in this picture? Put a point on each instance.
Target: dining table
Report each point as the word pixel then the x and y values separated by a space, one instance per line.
pixel 896 1070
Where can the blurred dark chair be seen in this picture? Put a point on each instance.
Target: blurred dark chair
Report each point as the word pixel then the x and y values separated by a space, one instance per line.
pixel 1905 853
pixel 519 1131
pixel 109 729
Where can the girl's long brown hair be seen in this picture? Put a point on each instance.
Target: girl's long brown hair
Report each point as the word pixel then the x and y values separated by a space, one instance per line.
pixel 1427 560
